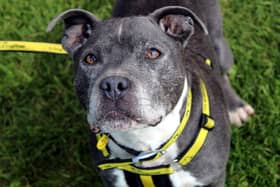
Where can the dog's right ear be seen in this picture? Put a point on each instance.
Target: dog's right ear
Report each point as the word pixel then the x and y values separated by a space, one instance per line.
pixel 78 26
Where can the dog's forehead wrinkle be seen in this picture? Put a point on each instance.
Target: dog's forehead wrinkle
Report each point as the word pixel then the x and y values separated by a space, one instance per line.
pixel 120 30
pixel 134 27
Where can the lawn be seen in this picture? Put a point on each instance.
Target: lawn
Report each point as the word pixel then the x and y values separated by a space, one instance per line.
pixel 43 129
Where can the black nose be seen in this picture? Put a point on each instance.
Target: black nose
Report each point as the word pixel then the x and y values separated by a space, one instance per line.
pixel 114 87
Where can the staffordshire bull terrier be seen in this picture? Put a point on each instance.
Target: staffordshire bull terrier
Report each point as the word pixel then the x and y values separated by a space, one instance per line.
pixel 152 90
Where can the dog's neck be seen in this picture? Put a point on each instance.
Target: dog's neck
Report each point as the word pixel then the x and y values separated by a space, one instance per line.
pixel 150 138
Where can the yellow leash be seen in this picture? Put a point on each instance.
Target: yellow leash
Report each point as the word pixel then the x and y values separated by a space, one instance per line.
pixel 39 47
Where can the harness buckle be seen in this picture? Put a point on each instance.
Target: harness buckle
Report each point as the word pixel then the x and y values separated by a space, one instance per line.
pixel 145 155
pixel 207 122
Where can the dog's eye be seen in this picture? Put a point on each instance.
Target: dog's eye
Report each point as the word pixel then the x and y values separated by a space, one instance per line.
pixel 153 53
pixel 90 59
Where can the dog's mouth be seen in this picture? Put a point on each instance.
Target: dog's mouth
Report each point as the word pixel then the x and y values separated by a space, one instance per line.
pixel 122 121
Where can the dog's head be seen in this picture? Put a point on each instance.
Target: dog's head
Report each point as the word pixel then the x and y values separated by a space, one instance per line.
pixel 129 72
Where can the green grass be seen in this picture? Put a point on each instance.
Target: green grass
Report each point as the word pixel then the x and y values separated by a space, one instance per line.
pixel 43 131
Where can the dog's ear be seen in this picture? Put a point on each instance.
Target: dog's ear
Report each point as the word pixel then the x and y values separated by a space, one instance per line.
pixel 78 26
pixel 178 22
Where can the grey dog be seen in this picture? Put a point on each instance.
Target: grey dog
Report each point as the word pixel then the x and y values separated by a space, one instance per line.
pixel 153 81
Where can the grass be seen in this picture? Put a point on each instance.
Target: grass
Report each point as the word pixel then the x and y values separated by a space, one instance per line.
pixel 43 131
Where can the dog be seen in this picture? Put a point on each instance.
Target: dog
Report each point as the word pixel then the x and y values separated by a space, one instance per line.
pixel 153 82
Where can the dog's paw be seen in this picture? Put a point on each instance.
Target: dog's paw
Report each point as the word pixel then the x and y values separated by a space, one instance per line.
pixel 241 114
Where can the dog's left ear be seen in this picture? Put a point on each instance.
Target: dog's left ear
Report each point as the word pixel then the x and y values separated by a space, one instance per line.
pixel 178 22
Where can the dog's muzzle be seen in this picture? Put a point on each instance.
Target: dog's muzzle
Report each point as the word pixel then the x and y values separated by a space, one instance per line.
pixel 117 103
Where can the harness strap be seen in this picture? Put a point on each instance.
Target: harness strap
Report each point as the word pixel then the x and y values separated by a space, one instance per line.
pixel 128 166
pixel 147 181
pixel 205 99
pixel 196 146
pixel 181 127
pixel 135 180
pixel 207 123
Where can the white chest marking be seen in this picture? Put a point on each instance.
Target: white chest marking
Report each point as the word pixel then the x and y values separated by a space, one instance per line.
pixel 121 182
pixel 184 179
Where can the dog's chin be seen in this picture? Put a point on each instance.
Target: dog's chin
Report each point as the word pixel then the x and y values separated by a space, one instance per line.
pixel 120 122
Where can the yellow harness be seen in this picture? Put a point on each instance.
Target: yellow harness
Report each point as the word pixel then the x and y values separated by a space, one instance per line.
pixel 207 123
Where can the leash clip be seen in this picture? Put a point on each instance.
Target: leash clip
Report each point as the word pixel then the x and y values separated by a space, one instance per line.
pixel 102 142
pixel 145 155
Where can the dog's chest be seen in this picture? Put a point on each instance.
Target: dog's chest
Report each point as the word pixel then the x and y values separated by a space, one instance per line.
pixel 178 179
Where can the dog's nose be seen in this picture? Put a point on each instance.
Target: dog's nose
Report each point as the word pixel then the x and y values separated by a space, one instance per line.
pixel 114 87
